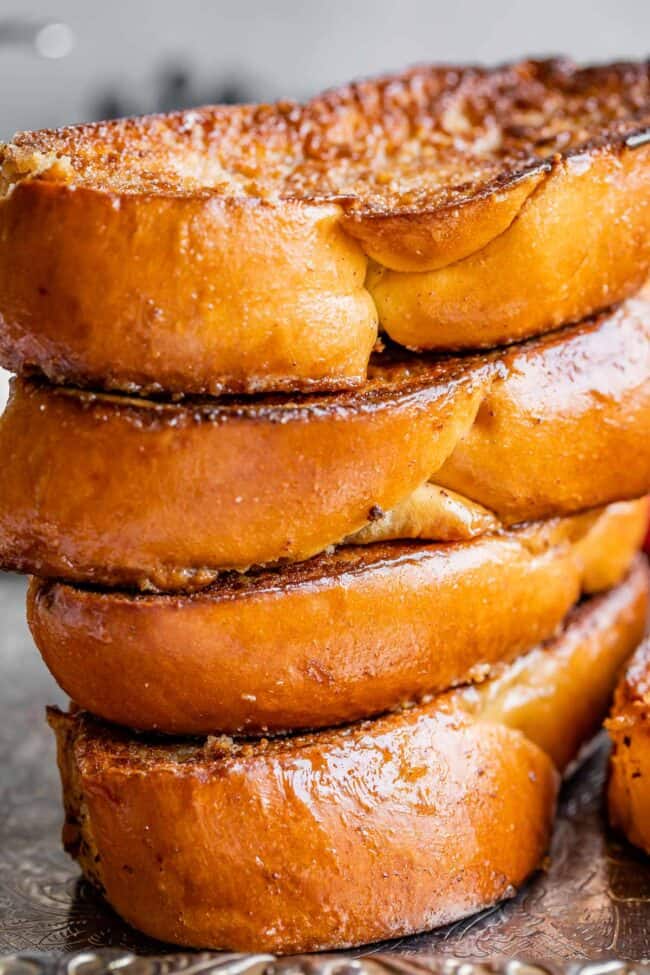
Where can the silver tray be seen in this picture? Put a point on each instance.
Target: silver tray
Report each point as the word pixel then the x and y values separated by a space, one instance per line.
pixel 591 905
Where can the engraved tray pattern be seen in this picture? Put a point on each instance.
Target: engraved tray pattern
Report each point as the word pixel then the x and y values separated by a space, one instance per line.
pixel 592 904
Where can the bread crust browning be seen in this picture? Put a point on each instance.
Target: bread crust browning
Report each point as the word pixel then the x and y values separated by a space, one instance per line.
pixel 394 825
pixel 232 244
pixel 579 240
pixel 629 771
pixel 577 404
pixel 336 639
pixel 570 680
pixel 190 295
pixel 166 495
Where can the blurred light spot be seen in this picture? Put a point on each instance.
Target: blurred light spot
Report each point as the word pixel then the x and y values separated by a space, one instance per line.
pixel 54 41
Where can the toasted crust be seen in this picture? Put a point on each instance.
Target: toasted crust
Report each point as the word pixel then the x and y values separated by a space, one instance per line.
pixel 338 839
pixel 394 825
pixel 165 495
pixel 232 243
pixel 580 240
pixel 189 294
pixel 629 729
pixel 342 637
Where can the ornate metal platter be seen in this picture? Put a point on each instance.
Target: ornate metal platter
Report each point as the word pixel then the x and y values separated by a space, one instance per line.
pixel 591 905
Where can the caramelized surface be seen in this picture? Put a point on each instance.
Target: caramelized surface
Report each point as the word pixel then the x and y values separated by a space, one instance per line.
pixel 343 636
pixel 431 137
pixel 167 494
pixel 374 830
pixel 260 248
pixel 221 485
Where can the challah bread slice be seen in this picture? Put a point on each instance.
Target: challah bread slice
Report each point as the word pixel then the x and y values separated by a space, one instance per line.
pixel 150 494
pixel 341 637
pixel 251 248
pixel 343 837
pixel 302 844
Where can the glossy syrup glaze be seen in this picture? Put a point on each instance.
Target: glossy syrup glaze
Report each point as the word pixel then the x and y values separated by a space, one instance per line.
pixel 394 825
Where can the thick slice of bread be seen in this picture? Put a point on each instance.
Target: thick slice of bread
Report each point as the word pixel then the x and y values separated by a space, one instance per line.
pixel 95 487
pixel 338 638
pixel 581 404
pixel 629 729
pixel 343 837
pixel 228 248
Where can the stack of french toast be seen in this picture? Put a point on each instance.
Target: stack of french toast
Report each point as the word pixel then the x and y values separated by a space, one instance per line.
pixel 327 453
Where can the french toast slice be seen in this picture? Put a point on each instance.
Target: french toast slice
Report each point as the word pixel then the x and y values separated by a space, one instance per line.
pixel 341 637
pixel 157 494
pixel 251 248
pixel 629 773
pixel 343 837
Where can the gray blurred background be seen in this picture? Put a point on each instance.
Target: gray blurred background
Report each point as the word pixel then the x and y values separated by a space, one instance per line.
pixel 73 60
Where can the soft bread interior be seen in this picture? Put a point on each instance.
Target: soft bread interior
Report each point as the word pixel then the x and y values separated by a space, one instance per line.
pixel 431 512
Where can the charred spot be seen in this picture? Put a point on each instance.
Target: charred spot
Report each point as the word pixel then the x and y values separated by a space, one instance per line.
pixel 375 513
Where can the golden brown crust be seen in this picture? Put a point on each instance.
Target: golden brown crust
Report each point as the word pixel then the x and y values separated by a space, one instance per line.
pixel 334 840
pixel 567 426
pixel 266 215
pixel 554 264
pixel 372 831
pixel 571 679
pixel 165 495
pixel 335 639
pixel 428 139
pixel 187 295
pixel 629 729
